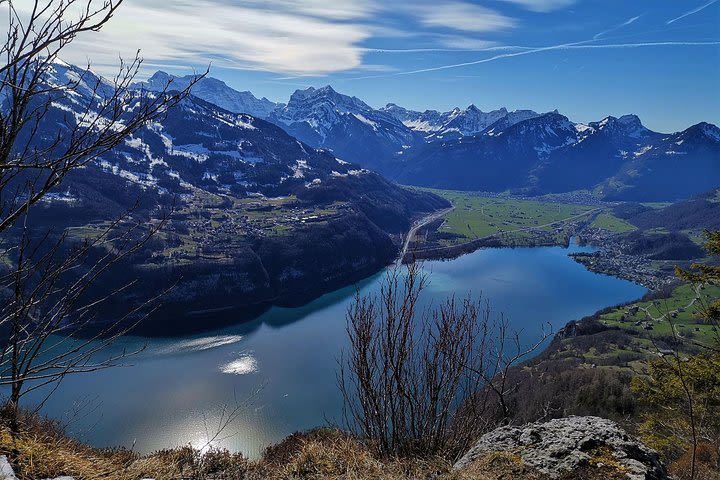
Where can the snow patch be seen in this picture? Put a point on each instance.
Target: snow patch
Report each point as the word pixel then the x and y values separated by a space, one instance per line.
pixel 299 169
pixel 366 121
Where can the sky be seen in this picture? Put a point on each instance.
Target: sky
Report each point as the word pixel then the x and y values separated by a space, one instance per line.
pixel 659 59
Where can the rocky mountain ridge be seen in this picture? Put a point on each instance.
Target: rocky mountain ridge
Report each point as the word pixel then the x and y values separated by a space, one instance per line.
pixel 616 158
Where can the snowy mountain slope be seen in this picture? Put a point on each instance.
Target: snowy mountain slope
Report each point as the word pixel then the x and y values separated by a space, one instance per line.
pixel 198 148
pixel 254 217
pixel 353 130
pixel 472 149
pixel 457 123
pixel 676 166
pixel 488 162
pixel 216 92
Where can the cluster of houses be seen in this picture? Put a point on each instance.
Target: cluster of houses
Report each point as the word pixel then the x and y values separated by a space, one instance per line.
pixel 212 233
pixel 611 260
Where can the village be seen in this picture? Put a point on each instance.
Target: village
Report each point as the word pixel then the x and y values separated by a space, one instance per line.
pixel 210 229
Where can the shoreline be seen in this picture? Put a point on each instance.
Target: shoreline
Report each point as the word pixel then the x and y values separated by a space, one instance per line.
pixel 298 318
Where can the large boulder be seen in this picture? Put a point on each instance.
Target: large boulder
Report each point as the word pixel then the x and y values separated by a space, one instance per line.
pixel 561 446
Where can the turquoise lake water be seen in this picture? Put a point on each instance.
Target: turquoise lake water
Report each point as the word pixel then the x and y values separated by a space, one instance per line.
pixel 281 368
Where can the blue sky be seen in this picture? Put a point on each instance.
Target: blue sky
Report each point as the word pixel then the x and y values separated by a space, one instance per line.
pixel 659 59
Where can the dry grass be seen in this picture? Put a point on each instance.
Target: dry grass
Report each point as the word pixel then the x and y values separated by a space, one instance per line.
pixel 320 454
pixel 332 454
pixel 707 463
pixel 500 465
pixel 43 452
pixel 39 455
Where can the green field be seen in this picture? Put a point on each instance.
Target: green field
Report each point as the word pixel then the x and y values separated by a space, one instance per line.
pixel 675 310
pixel 609 222
pixel 477 217
pixel 656 205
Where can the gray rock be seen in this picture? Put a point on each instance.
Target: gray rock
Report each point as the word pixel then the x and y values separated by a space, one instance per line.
pixel 6 470
pixel 565 444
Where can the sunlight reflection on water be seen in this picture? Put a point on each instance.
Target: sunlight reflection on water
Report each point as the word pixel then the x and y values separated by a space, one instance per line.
pixel 243 365
pixel 200 344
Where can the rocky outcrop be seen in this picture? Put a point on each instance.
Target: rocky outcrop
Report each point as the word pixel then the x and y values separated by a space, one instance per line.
pixel 7 472
pixel 563 445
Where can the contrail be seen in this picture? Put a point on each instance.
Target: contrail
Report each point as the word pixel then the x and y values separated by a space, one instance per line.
pixel 691 12
pixel 624 24
pixel 567 46
pixel 430 50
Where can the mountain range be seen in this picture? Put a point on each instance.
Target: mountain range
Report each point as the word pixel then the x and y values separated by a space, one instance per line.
pixel 198 147
pixel 255 217
pixel 617 158
pixel 288 201
pixel 457 123
pixel 522 151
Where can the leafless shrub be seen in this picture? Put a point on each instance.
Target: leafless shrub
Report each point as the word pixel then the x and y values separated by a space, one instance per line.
pixel 45 280
pixel 420 383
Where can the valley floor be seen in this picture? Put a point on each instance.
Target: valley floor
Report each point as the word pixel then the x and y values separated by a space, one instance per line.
pixel 484 219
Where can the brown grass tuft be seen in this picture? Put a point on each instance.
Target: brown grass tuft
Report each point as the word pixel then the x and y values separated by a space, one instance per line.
pixel 318 454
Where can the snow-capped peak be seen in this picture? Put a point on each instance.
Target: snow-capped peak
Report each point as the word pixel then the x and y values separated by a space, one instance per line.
pixel 626 125
pixel 702 132
pixel 454 123
pixel 214 91
pixel 711 131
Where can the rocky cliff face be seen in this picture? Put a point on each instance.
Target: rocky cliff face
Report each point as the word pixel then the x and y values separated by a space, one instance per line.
pixel 564 445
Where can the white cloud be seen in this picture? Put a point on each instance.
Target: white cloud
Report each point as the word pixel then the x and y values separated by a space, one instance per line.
pixel 462 16
pixel 289 36
pixel 336 9
pixel 542 5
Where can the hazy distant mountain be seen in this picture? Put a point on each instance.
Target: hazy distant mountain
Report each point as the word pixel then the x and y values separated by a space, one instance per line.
pixel 680 165
pixel 353 130
pixel 516 116
pixel 488 162
pixel 496 150
pixel 216 92
pixel 599 151
pixel 618 157
pixel 457 123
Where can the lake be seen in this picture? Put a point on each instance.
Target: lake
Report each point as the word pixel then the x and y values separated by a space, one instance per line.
pixel 280 368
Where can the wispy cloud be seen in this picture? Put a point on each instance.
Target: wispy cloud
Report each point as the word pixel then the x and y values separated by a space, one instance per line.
pixel 292 36
pixel 461 42
pixel 542 5
pixel 691 12
pixel 530 50
pixel 311 37
pixel 296 37
pixel 337 9
pixel 627 22
pixel 462 16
